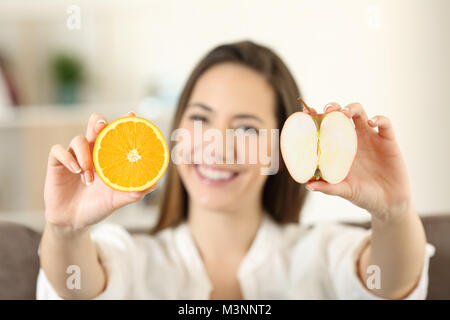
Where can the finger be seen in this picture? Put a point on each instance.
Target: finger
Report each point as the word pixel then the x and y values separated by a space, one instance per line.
pixel 358 114
pixel 310 110
pixel 80 148
pixel 125 198
pixel 332 106
pixel 141 194
pixel 59 155
pixel 96 124
pixel 341 189
pixel 385 129
pixel 130 114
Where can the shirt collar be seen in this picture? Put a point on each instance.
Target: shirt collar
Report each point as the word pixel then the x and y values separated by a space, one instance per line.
pixel 262 245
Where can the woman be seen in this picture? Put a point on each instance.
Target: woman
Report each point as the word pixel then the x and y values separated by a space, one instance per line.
pixel 227 231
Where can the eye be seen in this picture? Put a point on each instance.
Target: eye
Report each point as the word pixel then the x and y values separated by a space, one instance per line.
pixel 247 127
pixel 197 117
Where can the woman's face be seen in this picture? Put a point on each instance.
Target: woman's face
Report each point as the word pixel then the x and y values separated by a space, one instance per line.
pixel 227 96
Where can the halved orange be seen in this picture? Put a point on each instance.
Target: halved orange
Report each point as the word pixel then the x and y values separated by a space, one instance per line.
pixel 130 154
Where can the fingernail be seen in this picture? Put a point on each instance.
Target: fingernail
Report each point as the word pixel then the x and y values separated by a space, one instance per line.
pixel 75 167
pixel 327 106
pixel 373 120
pixel 346 111
pixel 100 124
pixel 309 187
pixel 132 112
pixel 88 177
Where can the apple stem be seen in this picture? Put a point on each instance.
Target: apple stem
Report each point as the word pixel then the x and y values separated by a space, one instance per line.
pixel 305 106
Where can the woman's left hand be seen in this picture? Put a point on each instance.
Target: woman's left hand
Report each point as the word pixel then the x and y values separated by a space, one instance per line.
pixel 378 179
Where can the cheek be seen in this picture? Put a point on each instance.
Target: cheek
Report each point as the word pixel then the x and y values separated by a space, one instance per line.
pixel 192 135
pixel 188 132
pixel 183 138
pixel 246 149
pixel 254 181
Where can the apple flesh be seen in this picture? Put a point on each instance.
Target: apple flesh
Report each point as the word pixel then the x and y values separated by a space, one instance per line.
pixel 318 146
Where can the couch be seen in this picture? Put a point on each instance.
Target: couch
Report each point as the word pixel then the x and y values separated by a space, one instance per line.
pixel 19 262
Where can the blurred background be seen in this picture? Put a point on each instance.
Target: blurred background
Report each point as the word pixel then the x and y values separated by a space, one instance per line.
pixel 62 60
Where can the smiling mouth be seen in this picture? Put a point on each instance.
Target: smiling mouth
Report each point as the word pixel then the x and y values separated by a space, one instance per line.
pixel 214 176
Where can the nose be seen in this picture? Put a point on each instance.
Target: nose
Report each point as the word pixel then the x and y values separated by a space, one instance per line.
pixel 217 145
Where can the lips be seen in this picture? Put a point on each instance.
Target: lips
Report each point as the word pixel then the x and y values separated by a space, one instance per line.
pixel 215 176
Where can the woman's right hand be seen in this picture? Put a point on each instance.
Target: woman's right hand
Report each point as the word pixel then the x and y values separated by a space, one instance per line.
pixel 75 197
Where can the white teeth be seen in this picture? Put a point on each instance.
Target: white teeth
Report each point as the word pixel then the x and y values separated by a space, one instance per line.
pixel 213 174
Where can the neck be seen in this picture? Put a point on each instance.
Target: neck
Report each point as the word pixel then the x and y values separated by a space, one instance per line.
pixel 219 233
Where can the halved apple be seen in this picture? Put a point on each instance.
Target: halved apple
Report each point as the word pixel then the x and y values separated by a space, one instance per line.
pixel 318 146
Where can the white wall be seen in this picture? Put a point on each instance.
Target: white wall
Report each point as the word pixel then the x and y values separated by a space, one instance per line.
pixel 392 56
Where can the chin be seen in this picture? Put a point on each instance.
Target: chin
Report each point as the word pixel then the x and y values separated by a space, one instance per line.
pixel 215 187
pixel 215 203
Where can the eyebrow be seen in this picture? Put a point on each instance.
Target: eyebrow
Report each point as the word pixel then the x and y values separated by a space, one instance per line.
pixel 237 116
pixel 248 116
pixel 201 105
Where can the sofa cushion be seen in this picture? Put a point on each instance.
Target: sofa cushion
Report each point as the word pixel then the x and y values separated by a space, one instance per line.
pixel 19 261
pixel 437 229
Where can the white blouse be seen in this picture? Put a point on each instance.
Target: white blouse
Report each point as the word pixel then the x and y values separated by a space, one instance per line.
pixel 284 262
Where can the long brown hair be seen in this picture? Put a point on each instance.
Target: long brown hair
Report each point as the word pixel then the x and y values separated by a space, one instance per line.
pixel 282 196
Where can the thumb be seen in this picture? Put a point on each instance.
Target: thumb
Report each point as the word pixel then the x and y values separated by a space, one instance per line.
pixel 341 189
pixel 124 198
